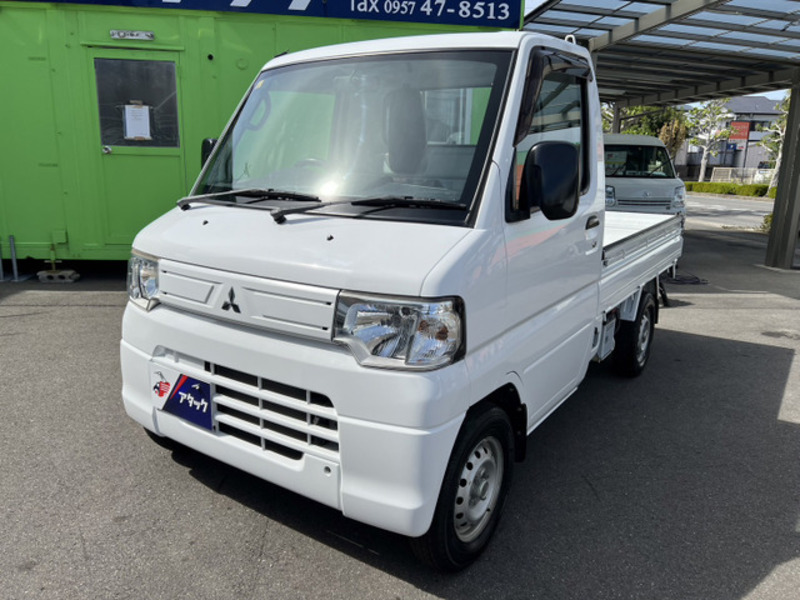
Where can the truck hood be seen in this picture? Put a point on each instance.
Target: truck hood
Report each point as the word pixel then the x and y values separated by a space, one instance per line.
pixel 368 255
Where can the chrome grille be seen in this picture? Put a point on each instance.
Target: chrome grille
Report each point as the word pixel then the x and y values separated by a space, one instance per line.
pixel 276 417
pixel 650 202
pixel 274 305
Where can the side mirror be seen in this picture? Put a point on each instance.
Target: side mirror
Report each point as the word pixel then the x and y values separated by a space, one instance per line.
pixel 206 148
pixel 550 179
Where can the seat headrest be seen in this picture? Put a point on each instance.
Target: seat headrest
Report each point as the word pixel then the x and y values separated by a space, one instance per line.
pixel 405 130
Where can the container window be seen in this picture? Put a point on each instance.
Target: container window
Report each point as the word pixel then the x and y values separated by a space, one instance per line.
pixel 137 102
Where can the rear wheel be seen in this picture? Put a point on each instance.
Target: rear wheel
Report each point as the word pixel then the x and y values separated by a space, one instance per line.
pixel 635 338
pixel 473 492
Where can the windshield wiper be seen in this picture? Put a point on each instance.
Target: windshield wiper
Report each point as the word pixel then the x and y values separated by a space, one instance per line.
pixel 379 202
pixel 657 167
pixel 279 215
pixel 257 194
pixel 617 170
pixel 408 202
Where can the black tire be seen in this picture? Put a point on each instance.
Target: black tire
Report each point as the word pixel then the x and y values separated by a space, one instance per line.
pixel 635 339
pixel 473 493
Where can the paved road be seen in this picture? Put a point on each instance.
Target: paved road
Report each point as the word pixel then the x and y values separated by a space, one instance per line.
pixel 729 212
pixel 682 484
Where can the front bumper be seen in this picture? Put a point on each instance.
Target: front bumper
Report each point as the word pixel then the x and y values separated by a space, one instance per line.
pixel 302 414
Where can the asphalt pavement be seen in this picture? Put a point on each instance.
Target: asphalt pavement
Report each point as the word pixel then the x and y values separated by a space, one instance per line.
pixel 715 211
pixel 681 484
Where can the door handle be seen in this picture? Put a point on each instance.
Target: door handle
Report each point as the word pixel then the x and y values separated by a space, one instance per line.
pixel 592 222
pixel 107 150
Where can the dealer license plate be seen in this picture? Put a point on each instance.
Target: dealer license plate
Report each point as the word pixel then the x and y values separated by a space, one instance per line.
pixel 190 399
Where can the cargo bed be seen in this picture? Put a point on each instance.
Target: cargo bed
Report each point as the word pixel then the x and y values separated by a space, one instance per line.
pixel 636 247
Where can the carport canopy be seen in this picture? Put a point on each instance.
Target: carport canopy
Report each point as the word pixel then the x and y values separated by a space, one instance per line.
pixel 666 52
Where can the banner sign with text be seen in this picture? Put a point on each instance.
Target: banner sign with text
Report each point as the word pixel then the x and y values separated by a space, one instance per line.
pixel 740 130
pixel 477 13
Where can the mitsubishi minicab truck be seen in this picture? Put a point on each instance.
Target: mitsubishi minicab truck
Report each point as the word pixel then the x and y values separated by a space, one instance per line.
pixel 395 264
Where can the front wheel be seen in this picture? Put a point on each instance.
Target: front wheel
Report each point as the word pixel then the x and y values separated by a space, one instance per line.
pixel 473 492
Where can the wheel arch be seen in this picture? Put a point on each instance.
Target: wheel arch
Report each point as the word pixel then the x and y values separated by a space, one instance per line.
pixel 508 399
pixel 629 308
pixel 652 287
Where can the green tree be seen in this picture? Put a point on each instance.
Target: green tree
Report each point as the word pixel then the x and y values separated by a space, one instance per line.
pixel 607 113
pixel 650 120
pixel 706 124
pixel 641 120
pixel 773 139
pixel 673 134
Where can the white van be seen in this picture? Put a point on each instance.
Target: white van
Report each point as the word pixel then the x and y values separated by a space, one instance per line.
pixel 640 176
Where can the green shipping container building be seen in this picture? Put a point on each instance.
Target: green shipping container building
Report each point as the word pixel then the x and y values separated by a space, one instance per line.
pixel 105 103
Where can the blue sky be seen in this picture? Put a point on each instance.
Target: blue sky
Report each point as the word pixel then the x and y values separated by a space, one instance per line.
pixel 773 95
pixel 531 4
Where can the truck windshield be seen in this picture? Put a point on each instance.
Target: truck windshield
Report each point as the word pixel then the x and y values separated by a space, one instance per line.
pixel 638 161
pixel 409 126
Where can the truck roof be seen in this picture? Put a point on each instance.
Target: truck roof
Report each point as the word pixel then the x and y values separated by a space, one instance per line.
pixel 509 40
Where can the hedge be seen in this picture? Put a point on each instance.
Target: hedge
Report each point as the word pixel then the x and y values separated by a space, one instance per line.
pixel 734 189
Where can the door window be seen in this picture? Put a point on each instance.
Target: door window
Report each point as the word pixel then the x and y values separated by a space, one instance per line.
pixel 137 102
pixel 559 115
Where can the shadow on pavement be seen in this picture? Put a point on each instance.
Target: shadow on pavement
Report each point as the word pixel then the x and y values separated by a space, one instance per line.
pixel 679 484
pixel 732 261
pixel 95 275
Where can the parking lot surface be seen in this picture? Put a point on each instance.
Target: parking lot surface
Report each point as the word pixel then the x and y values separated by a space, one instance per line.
pixel 681 484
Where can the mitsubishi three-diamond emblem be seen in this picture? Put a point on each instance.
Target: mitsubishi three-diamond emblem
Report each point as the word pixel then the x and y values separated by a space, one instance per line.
pixel 231 303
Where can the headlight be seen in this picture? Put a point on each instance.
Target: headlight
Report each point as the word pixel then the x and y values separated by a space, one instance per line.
pixel 399 333
pixel 611 196
pixel 143 280
pixel 679 197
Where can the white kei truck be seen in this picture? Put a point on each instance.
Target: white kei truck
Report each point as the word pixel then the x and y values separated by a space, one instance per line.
pixel 394 265
pixel 640 176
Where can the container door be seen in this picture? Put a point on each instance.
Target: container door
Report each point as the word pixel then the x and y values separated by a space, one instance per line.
pixel 138 139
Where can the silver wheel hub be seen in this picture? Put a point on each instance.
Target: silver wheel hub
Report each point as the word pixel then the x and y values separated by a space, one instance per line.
pixel 478 489
pixel 644 339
